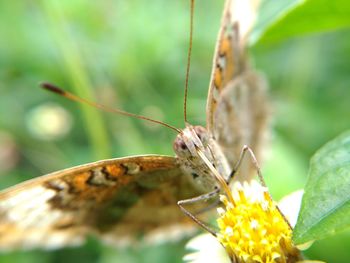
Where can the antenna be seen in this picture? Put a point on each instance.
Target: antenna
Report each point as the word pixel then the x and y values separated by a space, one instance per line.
pixel 188 60
pixel 68 95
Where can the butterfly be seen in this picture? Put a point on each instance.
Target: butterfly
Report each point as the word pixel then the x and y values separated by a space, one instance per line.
pixel 120 200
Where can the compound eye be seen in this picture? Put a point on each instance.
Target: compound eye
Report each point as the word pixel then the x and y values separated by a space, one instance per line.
pixel 181 148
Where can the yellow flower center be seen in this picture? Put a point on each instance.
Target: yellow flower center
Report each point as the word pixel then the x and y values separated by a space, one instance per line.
pixel 252 229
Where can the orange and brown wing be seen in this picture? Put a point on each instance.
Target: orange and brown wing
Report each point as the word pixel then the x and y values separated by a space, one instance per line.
pixel 227 62
pixel 117 200
pixel 237 105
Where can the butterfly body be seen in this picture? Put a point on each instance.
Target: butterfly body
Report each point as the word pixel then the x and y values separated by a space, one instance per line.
pixel 120 200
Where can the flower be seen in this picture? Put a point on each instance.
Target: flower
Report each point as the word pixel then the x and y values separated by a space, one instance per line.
pixel 251 229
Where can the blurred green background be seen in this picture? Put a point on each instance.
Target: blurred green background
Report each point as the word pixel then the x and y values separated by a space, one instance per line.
pixel 132 55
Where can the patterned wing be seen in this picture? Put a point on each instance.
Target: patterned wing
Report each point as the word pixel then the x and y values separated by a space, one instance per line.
pixel 117 200
pixel 236 106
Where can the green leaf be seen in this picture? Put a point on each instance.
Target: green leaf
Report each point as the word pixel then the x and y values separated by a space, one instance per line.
pixel 325 208
pixel 270 13
pixel 299 18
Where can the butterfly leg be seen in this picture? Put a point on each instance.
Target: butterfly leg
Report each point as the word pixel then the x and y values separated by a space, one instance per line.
pixel 256 165
pixel 244 150
pixel 203 197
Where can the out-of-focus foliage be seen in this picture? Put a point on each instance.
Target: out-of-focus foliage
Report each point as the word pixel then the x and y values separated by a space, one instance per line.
pixel 133 54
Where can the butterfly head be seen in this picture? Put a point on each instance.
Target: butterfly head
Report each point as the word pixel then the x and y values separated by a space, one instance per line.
pixel 190 140
pixel 188 145
pixel 194 147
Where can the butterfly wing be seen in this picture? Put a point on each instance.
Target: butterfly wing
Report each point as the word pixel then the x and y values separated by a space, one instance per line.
pixel 236 106
pixel 117 200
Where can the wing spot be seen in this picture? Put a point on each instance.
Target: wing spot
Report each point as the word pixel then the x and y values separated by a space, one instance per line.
pixel 131 168
pixel 57 185
pixel 194 175
pixel 100 177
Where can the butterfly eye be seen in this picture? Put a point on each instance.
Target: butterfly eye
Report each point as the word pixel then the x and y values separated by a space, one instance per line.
pixel 181 148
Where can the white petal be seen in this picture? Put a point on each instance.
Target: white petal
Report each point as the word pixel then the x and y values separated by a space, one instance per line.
pixel 290 206
pixel 207 249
